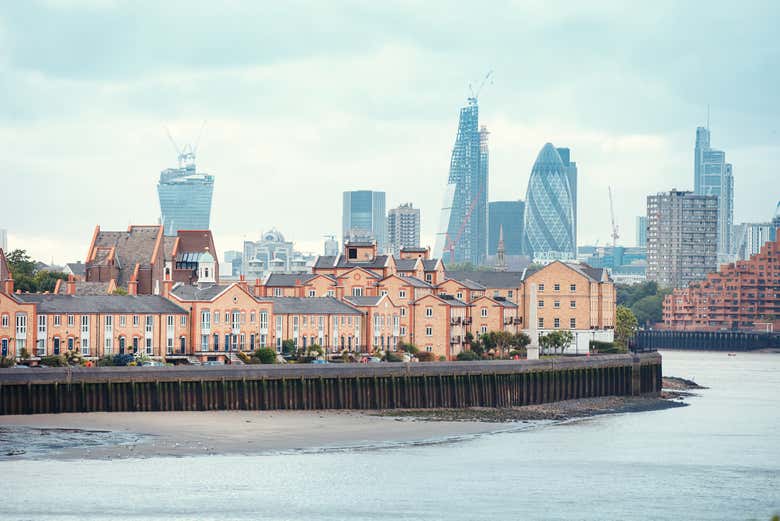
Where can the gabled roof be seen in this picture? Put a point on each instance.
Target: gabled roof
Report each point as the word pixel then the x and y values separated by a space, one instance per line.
pixel 365 300
pixel 205 293
pixel 380 261
pixel 414 282
pixel 466 283
pixel 77 268
pixel 586 270
pixel 136 246
pixel 501 301
pixel 325 261
pixel 361 269
pixel 118 304
pixel 490 279
pixel 430 264
pixel 310 306
pixel 447 299
pixel 406 264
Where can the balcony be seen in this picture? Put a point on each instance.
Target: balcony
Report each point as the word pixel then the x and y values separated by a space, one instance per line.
pixel 467 321
pixel 455 340
pixel 456 321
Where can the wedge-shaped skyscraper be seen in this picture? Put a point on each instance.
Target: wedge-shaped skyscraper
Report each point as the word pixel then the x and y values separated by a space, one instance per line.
pixel 550 209
pixel 463 232
pixel 185 197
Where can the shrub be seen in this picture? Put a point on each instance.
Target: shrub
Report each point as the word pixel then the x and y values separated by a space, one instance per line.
pixel 73 358
pixel 425 356
pixel 467 356
pixel 408 348
pixel 7 361
pixel 517 352
pixel 605 347
pixel 265 355
pixel 288 347
pixel 123 360
pixel 442 358
pixel 25 354
pixel 392 357
pixel 54 360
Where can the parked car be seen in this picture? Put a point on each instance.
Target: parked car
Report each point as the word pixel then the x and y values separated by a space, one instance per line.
pixel 152 363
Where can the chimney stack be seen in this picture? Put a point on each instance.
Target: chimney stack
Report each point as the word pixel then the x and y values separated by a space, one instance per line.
pixel 9 285
pixel 71 287
pixel 132 287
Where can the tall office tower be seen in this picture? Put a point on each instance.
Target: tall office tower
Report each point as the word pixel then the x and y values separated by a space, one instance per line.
pixel 713 176
pixel 403 228
pixel 364 218
pixel 641 231
pixel 462 235
pixel 507 216
pixel 549 209
pixel 234 259
pixel 571 173
pixel 185 196
pixel 776 222
pixel 749 238
pixel 3 240
pixel 682 237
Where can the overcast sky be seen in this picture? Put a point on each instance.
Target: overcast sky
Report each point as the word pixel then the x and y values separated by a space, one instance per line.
pixel 306 99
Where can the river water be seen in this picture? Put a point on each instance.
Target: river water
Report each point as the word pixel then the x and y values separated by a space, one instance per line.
pixel 719 458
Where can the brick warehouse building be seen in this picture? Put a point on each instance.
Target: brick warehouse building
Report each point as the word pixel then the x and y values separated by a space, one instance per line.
pixel 744 295
pixel 358 301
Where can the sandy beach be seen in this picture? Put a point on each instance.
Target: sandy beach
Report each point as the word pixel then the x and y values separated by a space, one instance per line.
pixel 151 434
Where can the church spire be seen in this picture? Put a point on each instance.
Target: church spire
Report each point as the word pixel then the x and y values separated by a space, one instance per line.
pixel 500 260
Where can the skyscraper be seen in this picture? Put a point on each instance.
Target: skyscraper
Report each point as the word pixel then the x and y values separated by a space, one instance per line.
pixel 682 235
pixel 463 233
pixel 571 173
pixel 185 196
pixel 641 231
pixel 550 228
pixel 364 218
pixel 506 215
pixel 403 228
pixel 776 221
pixel 713 176
pixel 749 238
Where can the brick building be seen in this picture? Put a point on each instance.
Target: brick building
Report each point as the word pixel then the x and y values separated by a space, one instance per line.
pixel 744 295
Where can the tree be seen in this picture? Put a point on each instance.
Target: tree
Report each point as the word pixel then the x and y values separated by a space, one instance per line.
pixel 502 340
pixel 625 326
pixel 555 340
pixel 27 278
pixel 288 347
pixel 467 356
pixel 265 355
pixel 408 348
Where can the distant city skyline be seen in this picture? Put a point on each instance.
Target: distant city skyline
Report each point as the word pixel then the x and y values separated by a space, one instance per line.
pixel 379 113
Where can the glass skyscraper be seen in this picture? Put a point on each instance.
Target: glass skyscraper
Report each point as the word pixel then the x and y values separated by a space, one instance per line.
pixel 506 215
pixel 364 217
pixel 713 176
pixel 185 197
pixel 550 209
pixel 463 232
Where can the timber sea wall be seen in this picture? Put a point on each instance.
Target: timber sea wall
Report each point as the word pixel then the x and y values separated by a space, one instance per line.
pixel 705 340
pixel 504 383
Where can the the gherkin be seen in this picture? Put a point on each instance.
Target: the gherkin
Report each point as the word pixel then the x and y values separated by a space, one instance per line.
pixel 550 208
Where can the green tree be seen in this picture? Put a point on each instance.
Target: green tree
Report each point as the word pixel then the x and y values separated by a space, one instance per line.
pixel 288 347
pixel 555 340
pixel 648 310
pixel 27 278
pixel 625 326
pixel 265 355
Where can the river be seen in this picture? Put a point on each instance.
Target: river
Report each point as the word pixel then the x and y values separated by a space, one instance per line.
pixel 718 458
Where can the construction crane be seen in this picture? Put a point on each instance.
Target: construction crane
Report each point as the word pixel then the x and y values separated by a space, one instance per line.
pixel 615 234
pixel 475 95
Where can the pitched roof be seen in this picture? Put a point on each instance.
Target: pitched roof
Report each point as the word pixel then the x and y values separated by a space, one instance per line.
pixel 452 301
pixel 468 284
pixel 325 261
pixel 287 279
pixel 310 306
pixel 594 274
pixel 415 282
pixel 490 279
pixel 77 268
pixel 365 300
pixel 133 246
pixel 85 288
pixel 430 264
pixel 405 264
pixel 189 292
pixel 118 304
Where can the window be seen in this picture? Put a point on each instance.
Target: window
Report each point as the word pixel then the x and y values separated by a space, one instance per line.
pixel 236 320
pixel 556 323
pixel 149 346
pixel 122 320
pixel 216 317
pixel 459 295
pixel 403 330
pixel 403 312
pixel 483 312
pixel 510 293
pixel 572 303
pixel 149 323
pixel 541 303
pixel 108 323
pixel 541 322
pixel 428 331
pixel 41 342
pixel 572 287
pixel 264 321
pixel 227 317
pixel 4 321
pixel 556 287
pixel 312 293
pixel 71 320
pixel 357 292
pixel 383 293
pixel 183 320
pixel 483 329
pixel 428 312
pixel 572 323
pixel 205 321
pixel 402 293
pixel 331 293
pixel 541 287
pixel 429 348
pixel 557 304
pixel 277 292
pixel 135 344
pixel 57 321
pixel 216 342
pixel 135 320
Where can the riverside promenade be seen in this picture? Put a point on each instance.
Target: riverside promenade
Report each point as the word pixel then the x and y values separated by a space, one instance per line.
pixel 501 383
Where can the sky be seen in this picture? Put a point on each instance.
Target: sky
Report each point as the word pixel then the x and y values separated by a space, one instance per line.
pixel 303 100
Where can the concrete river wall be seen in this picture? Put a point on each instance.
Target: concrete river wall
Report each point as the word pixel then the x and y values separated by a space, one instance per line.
pixel 334 386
